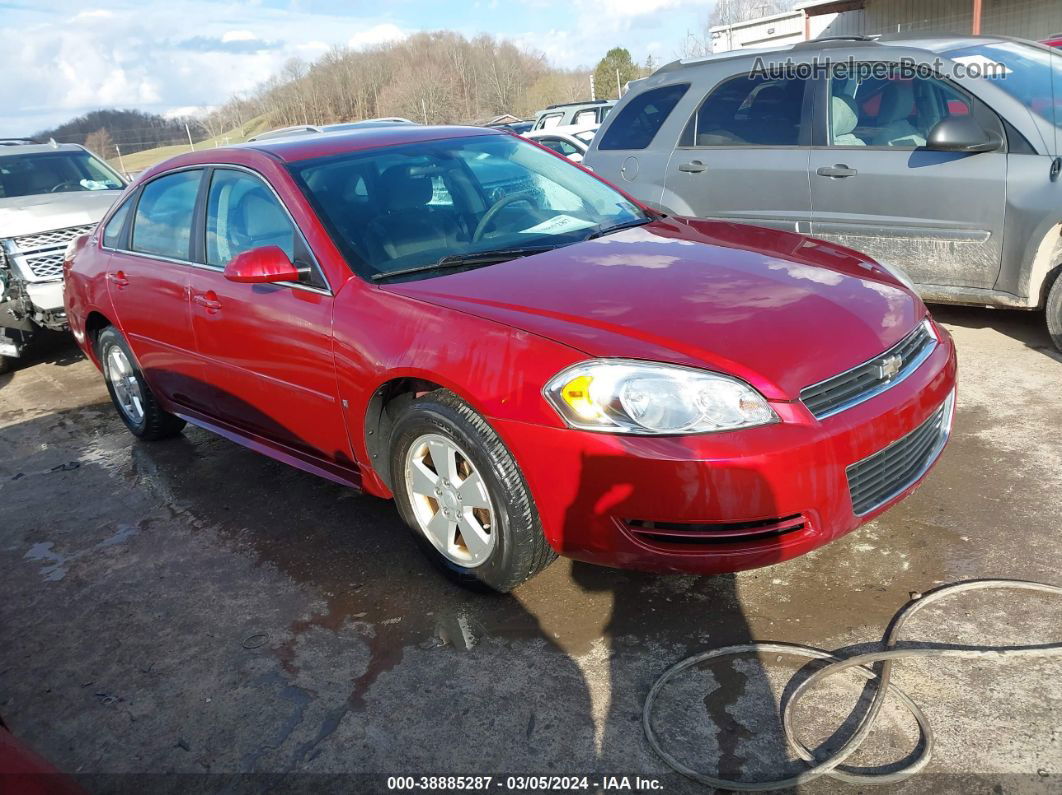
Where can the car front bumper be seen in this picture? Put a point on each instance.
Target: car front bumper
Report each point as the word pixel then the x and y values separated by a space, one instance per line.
pixel 724 502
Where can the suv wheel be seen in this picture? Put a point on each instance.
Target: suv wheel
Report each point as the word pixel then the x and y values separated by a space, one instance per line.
pixel 5 363
pixel 459 489
pixel 130 393
pixel 1054 311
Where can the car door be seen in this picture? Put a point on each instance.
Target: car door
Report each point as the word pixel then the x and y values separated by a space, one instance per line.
pixel 744 154
pixel 268 347
pixel 149 253
pixel 876 188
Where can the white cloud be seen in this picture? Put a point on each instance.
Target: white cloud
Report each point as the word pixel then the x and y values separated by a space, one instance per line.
pixel 238 35
pixel 377 34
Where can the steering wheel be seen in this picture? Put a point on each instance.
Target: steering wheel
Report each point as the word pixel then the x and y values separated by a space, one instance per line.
pixel 63 185
pixel 494 209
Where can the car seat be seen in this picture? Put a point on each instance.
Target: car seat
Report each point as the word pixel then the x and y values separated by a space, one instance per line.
pixel 407 224
pixel 897 103
pixel 843 120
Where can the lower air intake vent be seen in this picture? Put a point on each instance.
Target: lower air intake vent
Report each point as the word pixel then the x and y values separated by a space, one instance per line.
pixel 683 534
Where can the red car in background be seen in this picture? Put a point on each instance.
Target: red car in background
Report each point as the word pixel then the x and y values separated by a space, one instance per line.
pixel 1053 41
pixel 530 362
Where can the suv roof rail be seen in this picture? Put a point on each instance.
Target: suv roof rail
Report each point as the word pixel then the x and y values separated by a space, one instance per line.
pixel 812 43
pixel 18 142
pixel 584 102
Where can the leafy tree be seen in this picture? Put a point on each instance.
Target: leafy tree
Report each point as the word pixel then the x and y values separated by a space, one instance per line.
pixel 616 63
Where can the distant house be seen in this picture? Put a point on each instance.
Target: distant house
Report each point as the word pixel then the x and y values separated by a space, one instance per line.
pixel 505 118
pixel 815 19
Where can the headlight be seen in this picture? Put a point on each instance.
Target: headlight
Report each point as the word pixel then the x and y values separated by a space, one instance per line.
pixel 899 274
pixel 624 396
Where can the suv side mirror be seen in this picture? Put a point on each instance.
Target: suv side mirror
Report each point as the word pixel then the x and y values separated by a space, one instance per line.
pixel 265 265
pixel 962 134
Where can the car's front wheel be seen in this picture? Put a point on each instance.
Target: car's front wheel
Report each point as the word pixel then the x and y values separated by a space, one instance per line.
pixel 1054 311
pixel 459 489
pixel 130 392
pixel 6 363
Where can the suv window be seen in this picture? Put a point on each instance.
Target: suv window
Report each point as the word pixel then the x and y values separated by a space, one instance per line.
pixel 749 111
pixel 586 117
pixel 242 214
pixel 163 221
pixel 641 118
pixel 896 113
pixel 112 234
pixel 549 120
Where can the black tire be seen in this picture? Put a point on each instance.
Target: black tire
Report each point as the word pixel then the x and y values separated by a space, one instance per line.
pixel 6 363
pixel 520 549
pixel 156 423
pixel 1054 310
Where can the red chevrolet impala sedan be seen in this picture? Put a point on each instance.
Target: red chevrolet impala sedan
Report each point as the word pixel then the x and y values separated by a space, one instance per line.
pixel 530 362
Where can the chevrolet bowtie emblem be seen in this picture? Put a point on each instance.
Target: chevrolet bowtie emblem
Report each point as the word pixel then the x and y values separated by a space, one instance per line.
pixel 890 366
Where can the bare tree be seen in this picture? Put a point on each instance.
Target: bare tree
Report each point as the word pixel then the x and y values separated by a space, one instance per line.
pixel 101 143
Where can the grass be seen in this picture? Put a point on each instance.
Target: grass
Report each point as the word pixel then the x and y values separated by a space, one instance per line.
pixel 149 157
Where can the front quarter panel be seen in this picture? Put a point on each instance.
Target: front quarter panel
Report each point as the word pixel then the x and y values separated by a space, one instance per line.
pixel 86 292
pixel 380 336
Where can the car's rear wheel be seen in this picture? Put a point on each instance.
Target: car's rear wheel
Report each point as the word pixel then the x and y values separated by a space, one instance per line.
pixel 6 363
pixel 460 491
pixel 1054 311
pixel 129 391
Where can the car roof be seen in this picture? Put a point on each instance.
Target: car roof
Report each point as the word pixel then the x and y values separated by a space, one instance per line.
pixel 293 150
pixel 931 42
pixel 34 149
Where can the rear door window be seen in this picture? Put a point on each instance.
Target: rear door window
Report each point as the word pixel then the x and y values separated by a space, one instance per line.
pixel 749 111
pixel 641 118
pixel 112 234
pixel 163 222
pixel 586 117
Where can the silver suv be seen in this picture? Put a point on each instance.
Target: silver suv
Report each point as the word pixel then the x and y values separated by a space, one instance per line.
pixel 49 195
pixel 938 154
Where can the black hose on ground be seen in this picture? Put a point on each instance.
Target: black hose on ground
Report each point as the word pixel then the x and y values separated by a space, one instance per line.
pixel 859 664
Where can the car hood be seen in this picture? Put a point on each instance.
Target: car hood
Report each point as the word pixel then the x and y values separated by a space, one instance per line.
pixel 777 309
pixel 28 215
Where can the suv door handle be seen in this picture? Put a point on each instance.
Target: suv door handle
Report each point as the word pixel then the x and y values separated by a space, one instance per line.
pixel 208 300
pixel 693 167
pixel 836 170
pixel 118 279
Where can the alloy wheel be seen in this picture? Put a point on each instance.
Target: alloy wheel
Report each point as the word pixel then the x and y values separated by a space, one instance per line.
pixel 450 500
pixel 122 378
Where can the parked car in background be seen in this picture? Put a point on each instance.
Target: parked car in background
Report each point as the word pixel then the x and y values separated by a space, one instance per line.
pixel 571 141
pixel 49 195
pixel 313 129
pixel 573 113
pixel 527 360
pixel 518 127
pixel 954 178
pixel 1054 41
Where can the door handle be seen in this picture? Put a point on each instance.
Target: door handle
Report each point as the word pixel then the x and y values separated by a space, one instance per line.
pixel 118 279
pixel 693 167
pixel 208 301
pixel 837 170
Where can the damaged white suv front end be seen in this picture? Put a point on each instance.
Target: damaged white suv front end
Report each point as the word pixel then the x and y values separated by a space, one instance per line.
pixel 50 194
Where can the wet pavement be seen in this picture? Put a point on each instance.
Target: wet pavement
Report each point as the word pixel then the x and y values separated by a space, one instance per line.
pixel 190 607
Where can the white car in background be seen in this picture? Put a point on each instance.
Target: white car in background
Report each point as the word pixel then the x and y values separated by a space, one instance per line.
pixel 571 140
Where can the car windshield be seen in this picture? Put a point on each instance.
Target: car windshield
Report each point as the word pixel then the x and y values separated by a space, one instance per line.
pixel 54 172
pixel 409 207
pixel 1032 75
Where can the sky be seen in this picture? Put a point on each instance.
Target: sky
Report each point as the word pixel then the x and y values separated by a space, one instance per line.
pixel 61 59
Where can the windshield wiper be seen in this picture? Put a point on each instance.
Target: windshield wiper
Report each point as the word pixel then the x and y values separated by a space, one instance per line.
pixel 470 259
pixel 608 230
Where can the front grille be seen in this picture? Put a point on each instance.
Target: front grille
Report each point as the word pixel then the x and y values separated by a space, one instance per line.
pixel 686 534
pixel 40 256
pixel 863 382
pixel 878 478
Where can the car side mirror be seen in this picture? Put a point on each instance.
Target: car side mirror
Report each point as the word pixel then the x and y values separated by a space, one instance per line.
pixel 962 134
pixel 265 265
pixel 575 157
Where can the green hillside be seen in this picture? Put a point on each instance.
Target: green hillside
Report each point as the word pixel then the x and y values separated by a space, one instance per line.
pixel 149 157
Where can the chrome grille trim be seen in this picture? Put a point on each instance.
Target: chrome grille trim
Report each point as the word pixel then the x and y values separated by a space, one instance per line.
pixel 40 256
pixel 866 380
pixel 878 478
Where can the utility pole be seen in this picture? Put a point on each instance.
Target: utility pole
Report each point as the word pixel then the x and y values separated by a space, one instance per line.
pixel 121 163
pixel 619 89
pixel 189 136
pixel 592 95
